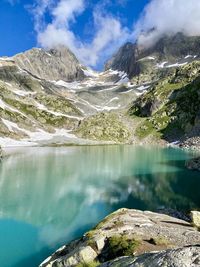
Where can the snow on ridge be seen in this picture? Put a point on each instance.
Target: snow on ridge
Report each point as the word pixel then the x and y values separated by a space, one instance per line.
pixel 177 65
pixel 6 59
pixel 42 107
pixel 162 65
pixel 188 56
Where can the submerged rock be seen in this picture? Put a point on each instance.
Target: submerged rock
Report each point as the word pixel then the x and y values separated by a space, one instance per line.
pixel 193 164
pixel 127 233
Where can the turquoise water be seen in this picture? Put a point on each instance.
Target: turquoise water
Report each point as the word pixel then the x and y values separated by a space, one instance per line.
pixel 49 196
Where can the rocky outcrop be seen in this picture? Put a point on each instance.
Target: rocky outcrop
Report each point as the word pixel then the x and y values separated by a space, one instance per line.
pixel 181 257
pixel 193 164
pixel 127 233
pixel 55 64
pixel 195 215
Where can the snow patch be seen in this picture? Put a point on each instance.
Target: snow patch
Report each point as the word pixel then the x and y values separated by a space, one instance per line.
pixel 23 93
pixel 151 58
pixel 34 137
pixel 176 65
pixel 90 73
pixel 188 56
pixel 162 65
pixel 42 107
pixel 10 125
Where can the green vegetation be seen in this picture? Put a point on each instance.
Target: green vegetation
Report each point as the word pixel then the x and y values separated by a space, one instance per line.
pixel 122 246
pixel 171 107
pixel 159 241
pixel 89 264
pixel 104 127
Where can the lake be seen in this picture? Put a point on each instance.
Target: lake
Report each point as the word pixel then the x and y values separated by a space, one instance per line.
pixel 49 196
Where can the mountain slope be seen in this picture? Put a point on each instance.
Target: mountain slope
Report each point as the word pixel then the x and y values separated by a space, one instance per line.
pixel 171 108
pixel 38 102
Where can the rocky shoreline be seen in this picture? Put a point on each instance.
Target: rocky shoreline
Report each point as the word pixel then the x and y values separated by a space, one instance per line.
pixel 134 238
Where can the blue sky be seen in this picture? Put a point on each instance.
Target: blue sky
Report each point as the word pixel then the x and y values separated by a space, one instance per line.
pixel 92 29
pixel 17 21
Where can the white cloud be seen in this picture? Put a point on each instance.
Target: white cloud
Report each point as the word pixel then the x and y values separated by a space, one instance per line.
pixel 108 33
pixel 168 17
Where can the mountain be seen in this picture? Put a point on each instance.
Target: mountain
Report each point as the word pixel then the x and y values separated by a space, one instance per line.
pixel 44 96
pixel 56 62
pixel 124 60
pixel 49 97
pixel 169 51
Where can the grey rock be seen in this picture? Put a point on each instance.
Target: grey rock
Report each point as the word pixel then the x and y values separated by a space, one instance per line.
pixel 153 231
pixel 181 257
pixel 136 60
pixel 124 60
pixel 55 64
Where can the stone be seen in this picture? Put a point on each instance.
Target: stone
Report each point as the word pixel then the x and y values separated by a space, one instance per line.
pixel 181 257
pixel 80 254
pixel 147 231
pixel 100 243
pixel 195 215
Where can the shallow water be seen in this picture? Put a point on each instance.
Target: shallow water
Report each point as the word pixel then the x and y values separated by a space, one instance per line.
pixel 49 196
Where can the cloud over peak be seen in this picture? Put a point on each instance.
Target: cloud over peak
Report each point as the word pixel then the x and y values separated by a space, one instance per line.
pixel 108 33
pixel 167 17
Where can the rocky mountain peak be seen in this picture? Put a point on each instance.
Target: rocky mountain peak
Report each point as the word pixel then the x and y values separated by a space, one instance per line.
pixel 124 59
pixel 54 64
pixel 169 49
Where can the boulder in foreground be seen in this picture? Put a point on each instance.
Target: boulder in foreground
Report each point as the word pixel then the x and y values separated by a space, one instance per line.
pixel 128 233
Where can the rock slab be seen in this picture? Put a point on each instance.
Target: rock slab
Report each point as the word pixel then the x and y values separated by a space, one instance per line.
pixel 153 232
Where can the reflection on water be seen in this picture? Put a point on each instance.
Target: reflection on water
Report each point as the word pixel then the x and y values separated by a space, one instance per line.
pixel 51 195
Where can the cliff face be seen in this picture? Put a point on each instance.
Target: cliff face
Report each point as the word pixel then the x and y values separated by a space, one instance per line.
pixel 125 60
